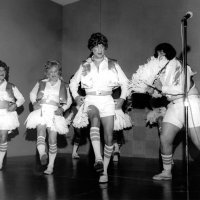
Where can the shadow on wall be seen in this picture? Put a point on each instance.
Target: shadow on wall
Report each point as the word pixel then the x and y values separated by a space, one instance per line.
pixel 142 101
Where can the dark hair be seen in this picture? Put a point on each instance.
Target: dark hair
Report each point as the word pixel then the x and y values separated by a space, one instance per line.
pixel 97 38
pixel 51 63
pixel 6 68
pixel 167 48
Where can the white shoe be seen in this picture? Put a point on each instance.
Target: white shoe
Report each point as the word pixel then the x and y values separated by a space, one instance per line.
pixel 164 175
pixel 49 170
pixel 98 166
pixel 103 178
pixel 116 156
pixel 75 156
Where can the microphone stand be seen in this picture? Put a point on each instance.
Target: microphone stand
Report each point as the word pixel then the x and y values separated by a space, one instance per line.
pixel 184 23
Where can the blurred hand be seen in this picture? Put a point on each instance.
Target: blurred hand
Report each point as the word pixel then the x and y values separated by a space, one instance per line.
pixel 79 100
pixel 12 107
pixel 36 105
pixel 158 85
pixel 150 90
pixel 59 111
pixel 119 103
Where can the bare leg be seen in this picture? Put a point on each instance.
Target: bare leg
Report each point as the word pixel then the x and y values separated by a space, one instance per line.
pixel 117 142
pixel 41 145
pixel 3 146
pixel 169 131
pixel 108 124
pixel 77 137
pixel 52 151
pixel 194 134
pixel 93 114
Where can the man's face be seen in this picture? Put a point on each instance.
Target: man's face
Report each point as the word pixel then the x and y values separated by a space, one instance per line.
pixel 98 51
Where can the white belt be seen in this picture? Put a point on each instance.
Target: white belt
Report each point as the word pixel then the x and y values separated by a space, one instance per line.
pixel 99 93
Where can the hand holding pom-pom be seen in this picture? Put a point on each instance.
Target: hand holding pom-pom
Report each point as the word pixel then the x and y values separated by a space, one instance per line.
pixel 12 107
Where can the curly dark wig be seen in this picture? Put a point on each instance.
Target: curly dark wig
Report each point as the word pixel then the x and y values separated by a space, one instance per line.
pixel 51 63
pixel 6 68
pixel 97 38
pixel 167 48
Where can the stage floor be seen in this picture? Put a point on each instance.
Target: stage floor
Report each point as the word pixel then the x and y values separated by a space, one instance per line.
pixel 130 179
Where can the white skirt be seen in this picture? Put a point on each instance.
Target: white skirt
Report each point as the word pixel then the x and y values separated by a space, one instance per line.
pixel 46 116
pixel 8 120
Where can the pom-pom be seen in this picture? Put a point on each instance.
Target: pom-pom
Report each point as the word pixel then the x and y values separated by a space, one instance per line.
pixel 145 75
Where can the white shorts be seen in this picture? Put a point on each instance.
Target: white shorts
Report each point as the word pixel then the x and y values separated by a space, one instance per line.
pixel 105 104
pixel 175 112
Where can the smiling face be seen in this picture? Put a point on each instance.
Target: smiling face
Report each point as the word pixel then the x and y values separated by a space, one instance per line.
pixel 98 51
pixel 2 73
pixel 53 73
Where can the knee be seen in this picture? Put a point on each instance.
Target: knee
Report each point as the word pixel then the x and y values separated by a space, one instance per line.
pixel 52 140
pixel 3 139
pixel 165 142
pixel 95 121
pixel 41 132
pixel 109 139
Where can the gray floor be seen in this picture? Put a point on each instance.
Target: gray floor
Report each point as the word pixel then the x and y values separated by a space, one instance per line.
pixel 130 179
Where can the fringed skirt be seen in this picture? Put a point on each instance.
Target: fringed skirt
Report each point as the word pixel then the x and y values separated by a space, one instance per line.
pixel 46 116
pixel 8 120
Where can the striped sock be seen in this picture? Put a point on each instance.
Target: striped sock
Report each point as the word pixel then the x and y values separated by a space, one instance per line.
pixel 41 145
pixel 167 161
pixel 52 154
pixel 107 154
pixel 3 149
pixel 95 139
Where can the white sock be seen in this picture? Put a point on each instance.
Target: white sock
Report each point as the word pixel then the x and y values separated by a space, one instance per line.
pixel 95 139
pixel 167 161
pixel 52 154
pixel 75 148
pixel 107 154
pixel 3 149
pixel 41 145
pixel 116 147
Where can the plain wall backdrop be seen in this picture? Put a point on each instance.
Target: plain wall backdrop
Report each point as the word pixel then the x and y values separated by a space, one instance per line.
pixel 30 34
pixel 33 31
pixel 133 29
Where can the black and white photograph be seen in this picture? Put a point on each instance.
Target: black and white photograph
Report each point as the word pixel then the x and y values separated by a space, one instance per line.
pixel 99 100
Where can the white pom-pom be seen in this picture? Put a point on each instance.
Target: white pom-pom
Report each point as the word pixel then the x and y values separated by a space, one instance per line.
pixel 81 118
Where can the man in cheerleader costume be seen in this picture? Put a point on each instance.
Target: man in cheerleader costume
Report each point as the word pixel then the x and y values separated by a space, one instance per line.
pixel 98 76
pixel 49 100
pixel 170 82
pixel 10 99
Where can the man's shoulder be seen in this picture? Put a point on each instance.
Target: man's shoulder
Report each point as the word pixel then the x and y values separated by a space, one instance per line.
pixel 112 63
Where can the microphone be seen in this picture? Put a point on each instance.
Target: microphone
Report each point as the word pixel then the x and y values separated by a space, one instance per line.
pixel 188 15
